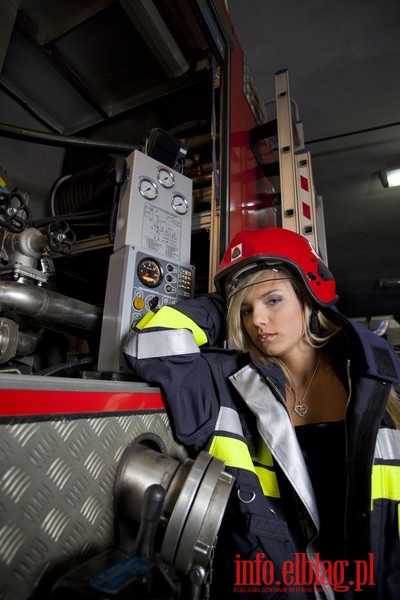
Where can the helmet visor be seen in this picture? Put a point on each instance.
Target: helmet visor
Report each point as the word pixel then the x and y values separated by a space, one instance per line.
pixel 239 280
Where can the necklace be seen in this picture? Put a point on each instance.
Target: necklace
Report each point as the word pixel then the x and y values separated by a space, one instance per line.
pixel 300 407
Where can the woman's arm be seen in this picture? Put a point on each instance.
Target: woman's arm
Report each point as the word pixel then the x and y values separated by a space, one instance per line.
pixel 170 358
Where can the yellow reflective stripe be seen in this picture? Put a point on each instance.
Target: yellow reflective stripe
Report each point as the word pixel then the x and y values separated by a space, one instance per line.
pixel 171 318
pixel 266 475
pixel 235 453
pixel 268 481
pixel 264 456
pixel 385 482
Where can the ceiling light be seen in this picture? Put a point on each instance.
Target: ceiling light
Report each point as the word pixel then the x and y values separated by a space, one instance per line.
pixel 389 282
pixel 390 178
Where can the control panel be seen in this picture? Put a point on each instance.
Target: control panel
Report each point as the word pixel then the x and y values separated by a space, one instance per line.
pixel 150 264
pixel 155 210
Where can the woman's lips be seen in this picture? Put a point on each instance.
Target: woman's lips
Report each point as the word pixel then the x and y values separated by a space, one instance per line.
pixel 265 337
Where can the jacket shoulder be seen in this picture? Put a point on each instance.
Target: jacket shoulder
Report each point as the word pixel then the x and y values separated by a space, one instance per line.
pixel 381 357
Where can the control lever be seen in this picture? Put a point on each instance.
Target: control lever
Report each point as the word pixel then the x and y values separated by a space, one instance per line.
pixel 135 575
pixel 153 501
pixel 139 574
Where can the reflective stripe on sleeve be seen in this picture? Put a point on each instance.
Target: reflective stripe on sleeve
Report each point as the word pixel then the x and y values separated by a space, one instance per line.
pixel 388 444
pixel 385 482
pixel 228 420
pixel 154 344
pixel 170 318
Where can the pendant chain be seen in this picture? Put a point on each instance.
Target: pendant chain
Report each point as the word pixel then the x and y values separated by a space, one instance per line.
pixel 300 407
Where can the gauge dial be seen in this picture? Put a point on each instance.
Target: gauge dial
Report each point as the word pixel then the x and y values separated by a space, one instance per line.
pixel 179 204
pixel 149 272
pixel 148 188
pixel 166 178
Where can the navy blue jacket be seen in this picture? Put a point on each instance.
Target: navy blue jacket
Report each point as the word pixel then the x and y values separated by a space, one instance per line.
pixel 220 399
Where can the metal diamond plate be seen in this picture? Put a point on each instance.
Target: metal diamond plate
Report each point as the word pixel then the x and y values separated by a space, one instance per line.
pixel 56 490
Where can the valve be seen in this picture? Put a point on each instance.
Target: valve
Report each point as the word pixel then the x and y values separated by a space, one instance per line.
pixel 60 237
pixel 114 573
pixel 178 508
pixel 11 207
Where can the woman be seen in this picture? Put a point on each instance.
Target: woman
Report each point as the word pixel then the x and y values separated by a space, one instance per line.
pixel 302 410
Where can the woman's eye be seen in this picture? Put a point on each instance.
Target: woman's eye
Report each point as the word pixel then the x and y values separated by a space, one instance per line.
pixel 244 312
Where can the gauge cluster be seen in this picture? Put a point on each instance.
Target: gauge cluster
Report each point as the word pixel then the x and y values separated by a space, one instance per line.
pixel 150 265
pixel 148 189
pixel 157 282
pixel 155 210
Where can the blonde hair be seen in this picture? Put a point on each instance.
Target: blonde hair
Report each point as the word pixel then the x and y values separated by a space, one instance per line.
pixel 318 329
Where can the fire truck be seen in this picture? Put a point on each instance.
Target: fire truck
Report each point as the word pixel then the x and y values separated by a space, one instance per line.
pixel 134 145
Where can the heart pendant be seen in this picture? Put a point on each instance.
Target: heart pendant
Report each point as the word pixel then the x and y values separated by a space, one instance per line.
pixel 300 410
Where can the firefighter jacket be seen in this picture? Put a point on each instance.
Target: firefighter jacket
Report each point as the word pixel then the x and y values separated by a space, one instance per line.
pixel 231 405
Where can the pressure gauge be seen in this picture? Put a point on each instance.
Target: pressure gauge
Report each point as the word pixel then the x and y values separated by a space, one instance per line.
pixel 166 178
pixel 148 188
pixel 149 272
pixel 179 204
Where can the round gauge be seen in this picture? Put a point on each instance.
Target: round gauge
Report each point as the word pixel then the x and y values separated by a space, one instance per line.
pixel 179 204
pixel 149 272
pixel 148 188
pixel 166 178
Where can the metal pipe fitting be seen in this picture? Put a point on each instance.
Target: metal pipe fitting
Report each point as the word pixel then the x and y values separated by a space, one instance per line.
pixel 196 493
pixel 47 306
pixel 14 342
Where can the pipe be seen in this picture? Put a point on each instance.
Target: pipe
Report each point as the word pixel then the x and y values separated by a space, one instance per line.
pixel 52 139
pixel 14 342
pixel 66 367
pixel 48 306
pixel 27 343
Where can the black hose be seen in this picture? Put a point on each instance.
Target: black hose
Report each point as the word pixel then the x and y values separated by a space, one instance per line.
pixel 68 366
pixel 51 139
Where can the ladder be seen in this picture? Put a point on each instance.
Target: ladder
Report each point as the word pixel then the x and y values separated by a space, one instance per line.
pixel 301 209
pixel 295 172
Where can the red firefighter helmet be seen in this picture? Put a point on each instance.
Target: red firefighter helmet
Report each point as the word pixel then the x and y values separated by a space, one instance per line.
pixel 254 250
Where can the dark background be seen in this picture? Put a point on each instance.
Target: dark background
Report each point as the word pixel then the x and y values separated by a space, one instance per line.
pixel 343 59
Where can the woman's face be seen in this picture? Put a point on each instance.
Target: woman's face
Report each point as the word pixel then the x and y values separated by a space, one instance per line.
pixel 272 315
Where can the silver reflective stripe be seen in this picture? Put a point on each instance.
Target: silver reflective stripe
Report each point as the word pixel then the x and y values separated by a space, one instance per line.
pixel 229 421
pixel 388 444
pixel 277 432
pixel 154 344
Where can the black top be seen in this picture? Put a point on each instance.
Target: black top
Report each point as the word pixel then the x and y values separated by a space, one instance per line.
pixel 324 449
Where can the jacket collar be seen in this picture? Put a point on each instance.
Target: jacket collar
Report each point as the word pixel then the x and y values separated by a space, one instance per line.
pixel 277 432
pixel 380 358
